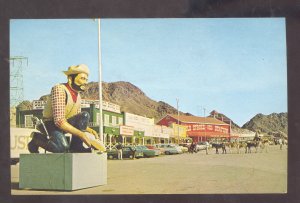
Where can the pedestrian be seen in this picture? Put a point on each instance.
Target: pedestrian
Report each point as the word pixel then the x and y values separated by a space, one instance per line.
pixel 133 150
pixel 62 114
pixel 206 146
pixel 280 143
pixel 193 147
pixel 120 152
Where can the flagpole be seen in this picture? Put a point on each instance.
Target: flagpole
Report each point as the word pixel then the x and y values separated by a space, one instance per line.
pixel 100 85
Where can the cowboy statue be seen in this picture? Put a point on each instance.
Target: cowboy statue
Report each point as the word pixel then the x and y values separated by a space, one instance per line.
pixel 62 114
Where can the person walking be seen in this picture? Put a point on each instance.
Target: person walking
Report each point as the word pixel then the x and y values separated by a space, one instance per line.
pixel 280 143
pixel 120 152
pixel 206 146
pixel 133 150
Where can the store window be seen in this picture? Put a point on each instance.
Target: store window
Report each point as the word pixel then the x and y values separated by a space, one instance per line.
pixel 97 118
pixel 106 120
pixel 120 121
pixel 28 121
pixel 113 120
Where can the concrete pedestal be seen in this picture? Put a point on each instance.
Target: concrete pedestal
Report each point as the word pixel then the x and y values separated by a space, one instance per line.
pixel 62 171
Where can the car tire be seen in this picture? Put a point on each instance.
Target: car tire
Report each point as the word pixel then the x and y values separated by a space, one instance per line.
pixel 130 156
pixel 110 157
pixel 167 153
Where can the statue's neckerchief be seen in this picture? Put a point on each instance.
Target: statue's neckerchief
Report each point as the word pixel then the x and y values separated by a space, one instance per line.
pixel 73 93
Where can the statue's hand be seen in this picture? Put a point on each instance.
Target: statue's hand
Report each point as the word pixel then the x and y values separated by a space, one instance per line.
pixel 90 130
pixel 85 139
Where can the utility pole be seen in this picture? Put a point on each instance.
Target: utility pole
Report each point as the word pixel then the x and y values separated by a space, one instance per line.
pixel 177 101
pixel 204 123
pixel 230 130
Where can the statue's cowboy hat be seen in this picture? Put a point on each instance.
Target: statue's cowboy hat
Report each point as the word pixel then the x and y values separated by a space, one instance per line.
pixel 82 68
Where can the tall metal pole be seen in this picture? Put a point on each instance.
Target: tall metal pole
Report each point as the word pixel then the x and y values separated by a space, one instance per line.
pixel 229 130
pixel 204 124
pixel 100 84
pixel 177 100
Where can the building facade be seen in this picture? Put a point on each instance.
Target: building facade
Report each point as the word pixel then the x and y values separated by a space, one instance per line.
pixel 199 128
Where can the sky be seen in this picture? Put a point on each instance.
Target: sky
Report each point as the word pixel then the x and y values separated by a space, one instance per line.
pixel 236 66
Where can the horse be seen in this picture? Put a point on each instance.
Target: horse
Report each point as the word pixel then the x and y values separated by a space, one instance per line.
pixel 240 145
pixel 264 145
pixel 235 145
pixel 219 145
pixel 251 144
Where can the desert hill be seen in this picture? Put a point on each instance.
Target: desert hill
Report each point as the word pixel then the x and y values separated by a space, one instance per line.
pixel 133 100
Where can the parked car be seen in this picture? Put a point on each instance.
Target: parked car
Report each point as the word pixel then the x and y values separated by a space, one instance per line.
pixel 184 147
pixel 148 152
pixel 178 148
pixel 168 149
pixel 154 148
pixel 127 152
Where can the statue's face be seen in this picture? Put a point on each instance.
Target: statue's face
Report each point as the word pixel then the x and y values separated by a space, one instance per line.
pixel 79 82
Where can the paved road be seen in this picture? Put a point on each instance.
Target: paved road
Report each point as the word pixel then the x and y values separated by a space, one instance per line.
pixel 189 174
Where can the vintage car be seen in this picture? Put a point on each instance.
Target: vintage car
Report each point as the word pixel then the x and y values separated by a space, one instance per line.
pixel 148 152
pixel 154 148
pixel 169 149
pixel 127 152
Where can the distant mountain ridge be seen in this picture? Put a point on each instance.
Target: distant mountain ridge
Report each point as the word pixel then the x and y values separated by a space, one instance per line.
pixel 130 98
pixel 133 100
pixel 275 124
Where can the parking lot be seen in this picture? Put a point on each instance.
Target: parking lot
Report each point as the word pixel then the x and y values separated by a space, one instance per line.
pixel 198 173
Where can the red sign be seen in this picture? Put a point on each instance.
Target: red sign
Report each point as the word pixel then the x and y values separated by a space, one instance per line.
pixel 207 128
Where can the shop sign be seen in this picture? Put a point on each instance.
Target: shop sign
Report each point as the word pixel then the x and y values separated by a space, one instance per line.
pixel 37 104
pixel 164 135
pixel 126 130
pixel 136 120
pixel 107 106
pixel 207 128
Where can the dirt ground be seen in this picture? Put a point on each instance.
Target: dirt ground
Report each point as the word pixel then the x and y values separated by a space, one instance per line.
pixel 262 172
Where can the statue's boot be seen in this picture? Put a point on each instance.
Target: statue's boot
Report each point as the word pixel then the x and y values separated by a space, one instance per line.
pixel 39 140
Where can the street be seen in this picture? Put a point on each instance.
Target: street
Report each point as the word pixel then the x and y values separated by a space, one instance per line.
pixel 198 173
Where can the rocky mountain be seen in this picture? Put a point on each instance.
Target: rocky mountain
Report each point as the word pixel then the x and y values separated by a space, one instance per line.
pixel 236 129
pixel 131 99
pixel 275 124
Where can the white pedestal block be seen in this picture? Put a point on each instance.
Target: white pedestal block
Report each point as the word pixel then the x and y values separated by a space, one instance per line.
pixel 62 171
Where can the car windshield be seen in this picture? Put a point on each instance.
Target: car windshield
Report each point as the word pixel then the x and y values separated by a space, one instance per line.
pixel 143 147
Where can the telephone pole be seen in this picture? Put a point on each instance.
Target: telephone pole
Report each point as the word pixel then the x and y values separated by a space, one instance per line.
pixel 177 101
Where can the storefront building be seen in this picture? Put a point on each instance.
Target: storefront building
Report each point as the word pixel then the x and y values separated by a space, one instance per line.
pixel 160 135
pixel 199 128
pixel 143 128
pixel 112 119
pixel 179 134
